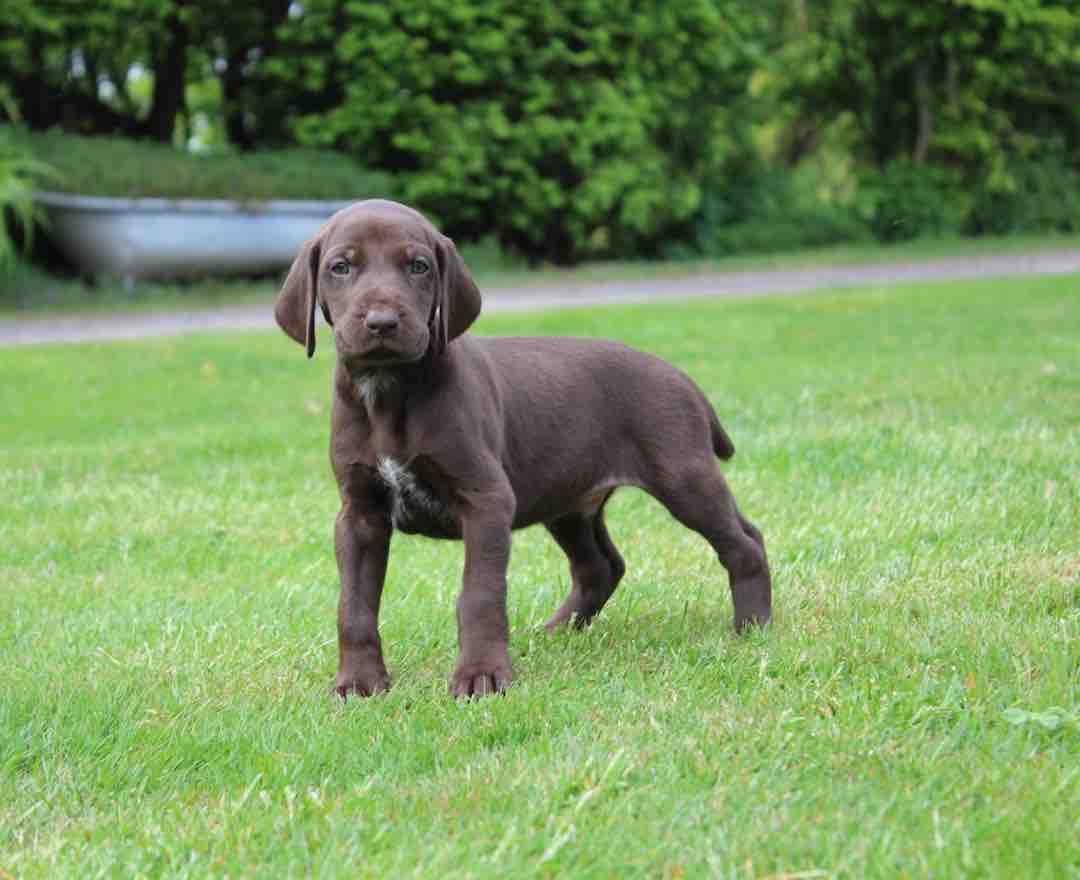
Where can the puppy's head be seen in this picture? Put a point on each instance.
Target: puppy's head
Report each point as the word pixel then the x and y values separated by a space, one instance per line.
pixel 392 287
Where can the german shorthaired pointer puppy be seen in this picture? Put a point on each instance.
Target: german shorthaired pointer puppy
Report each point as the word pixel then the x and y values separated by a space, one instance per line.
pixel 439 433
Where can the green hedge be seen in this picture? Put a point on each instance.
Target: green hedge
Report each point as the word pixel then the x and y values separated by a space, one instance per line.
pixel 750 207
pixel 904 201
pixel 1014 195
pixel 569 130
pixel 754 208
pixel 1040 194
pixel 112 166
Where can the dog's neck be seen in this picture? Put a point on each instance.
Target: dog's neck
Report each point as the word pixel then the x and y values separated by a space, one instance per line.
pixel 382 392
pixel 377 388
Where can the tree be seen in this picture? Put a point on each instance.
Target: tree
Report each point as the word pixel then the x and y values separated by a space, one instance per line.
pixel 950 81
pixel 69 63
pixel 76 63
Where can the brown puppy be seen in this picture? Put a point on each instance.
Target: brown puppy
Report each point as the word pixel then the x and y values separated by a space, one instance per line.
pixel 446 435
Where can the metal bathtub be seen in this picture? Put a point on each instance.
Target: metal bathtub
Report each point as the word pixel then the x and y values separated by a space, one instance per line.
pixel 177 238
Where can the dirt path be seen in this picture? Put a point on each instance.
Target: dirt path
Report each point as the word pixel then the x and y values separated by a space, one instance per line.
pixel 136 325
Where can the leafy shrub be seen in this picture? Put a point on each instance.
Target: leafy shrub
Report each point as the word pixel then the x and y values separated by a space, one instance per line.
pixel 18 214
pixel 1033 195
pixel 904 200
pixel 569 129
pixel 749 207
pixel 113 166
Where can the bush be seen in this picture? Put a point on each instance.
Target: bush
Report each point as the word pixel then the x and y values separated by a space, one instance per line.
pixel 18 214
pixel 568 129
pixel 112 166
pixel 749 207
pixel 1028 196
pixel 904 200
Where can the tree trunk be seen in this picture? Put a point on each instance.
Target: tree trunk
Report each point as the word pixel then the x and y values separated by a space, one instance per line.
pixel 32 91
pixel 248 101
pixel 925 118
pixel 233 107
pixel 170 67
pixel 268 126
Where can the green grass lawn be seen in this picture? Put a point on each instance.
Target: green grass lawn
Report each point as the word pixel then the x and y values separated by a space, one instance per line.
pixel 168 590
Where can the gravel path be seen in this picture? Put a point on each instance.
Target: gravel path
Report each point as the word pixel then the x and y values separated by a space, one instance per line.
pixel 136 325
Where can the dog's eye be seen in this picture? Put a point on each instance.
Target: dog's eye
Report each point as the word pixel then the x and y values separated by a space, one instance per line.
pixel 418 266
pixel 341 268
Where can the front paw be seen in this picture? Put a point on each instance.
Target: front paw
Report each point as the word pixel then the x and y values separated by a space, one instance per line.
pixel 361 683
pixel 477 678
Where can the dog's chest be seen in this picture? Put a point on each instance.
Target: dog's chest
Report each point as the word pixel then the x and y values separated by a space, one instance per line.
pixel 415 507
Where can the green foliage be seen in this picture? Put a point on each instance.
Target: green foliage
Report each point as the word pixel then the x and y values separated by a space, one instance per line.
pixel 964 115
pixel 905 201
pixel 1041 194
pixel 64 58
pixel 112 166
pixel 567 129
pixel 16 204
pixel 142 69
pixel 955 82
pixel 578 129
pixel 18 214
pixel 755 208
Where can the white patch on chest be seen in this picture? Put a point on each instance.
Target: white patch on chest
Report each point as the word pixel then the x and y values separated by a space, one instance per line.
pixel 409 498
pixel 375 384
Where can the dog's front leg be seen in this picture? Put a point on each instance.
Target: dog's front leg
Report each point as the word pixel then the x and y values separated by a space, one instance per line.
pixel 361 544
pixel 483 665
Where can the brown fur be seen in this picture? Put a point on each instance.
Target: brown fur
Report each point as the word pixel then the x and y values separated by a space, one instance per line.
pixel 440 433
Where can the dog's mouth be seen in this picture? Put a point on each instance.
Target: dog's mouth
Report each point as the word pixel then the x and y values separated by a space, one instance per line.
pixel 380 355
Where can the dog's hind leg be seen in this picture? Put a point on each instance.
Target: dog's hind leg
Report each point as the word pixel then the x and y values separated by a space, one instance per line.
pixel 699 498
pixel 618 567
pixel 595 566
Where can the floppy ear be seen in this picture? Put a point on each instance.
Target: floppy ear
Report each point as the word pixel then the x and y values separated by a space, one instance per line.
pixel 459 298
pixel 295 306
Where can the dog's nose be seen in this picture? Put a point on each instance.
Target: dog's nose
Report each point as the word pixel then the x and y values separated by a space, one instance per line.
pixel 381 322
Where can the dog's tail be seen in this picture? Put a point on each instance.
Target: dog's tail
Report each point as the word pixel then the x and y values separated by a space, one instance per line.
pixel 721 442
